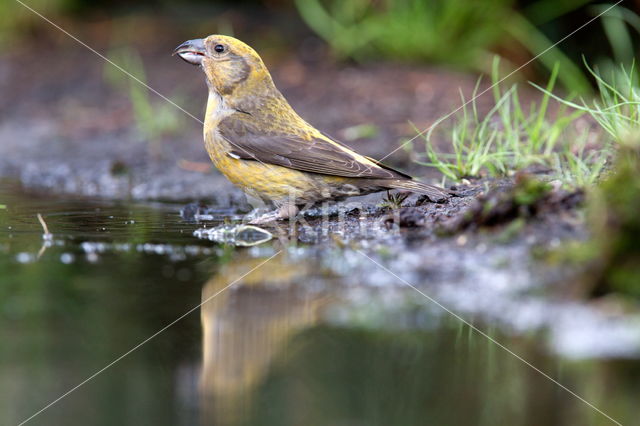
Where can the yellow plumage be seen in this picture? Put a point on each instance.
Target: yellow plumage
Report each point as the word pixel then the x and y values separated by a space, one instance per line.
pixel 261 180
pixel 262 145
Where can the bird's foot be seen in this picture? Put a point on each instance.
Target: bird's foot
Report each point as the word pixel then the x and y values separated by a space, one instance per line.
pixel 286 211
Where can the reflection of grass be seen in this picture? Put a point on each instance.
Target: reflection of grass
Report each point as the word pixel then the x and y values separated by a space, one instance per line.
pixel 407 377
pixel 153 121
pixel 511 137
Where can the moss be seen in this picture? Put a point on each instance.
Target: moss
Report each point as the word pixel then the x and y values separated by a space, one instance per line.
pixel 614 216
pixel 529 191
pixel 502 205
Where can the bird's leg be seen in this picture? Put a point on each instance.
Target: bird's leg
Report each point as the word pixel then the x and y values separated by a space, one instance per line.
pixel 260 206
pixel 256 213
pixel 272 216
pixel 286 211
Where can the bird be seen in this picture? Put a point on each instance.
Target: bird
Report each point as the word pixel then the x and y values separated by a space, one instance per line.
pixel 259 143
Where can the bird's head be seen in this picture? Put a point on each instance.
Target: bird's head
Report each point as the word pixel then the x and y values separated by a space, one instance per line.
pixel 232 67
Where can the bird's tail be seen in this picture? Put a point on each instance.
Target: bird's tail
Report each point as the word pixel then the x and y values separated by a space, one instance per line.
pixel 434 193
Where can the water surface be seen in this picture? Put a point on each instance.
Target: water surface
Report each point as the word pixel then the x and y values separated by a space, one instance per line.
pixel 318 335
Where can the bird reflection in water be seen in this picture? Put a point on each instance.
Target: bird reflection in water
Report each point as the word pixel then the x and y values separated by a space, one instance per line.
pixel 245 326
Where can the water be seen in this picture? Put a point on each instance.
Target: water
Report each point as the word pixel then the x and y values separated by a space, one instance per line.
pixel 287 334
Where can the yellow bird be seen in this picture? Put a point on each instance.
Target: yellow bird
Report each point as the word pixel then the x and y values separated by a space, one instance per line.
pixel 256 139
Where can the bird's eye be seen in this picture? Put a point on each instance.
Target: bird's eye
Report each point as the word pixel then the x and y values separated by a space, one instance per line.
pixel 218 48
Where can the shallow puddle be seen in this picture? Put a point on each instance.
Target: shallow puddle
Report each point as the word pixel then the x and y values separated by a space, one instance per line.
pixel 287 333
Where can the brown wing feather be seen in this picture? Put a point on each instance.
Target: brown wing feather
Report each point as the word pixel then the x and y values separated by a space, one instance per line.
pixel 317 155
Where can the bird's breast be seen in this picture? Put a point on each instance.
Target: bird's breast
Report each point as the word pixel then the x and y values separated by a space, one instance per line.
pixel 217 109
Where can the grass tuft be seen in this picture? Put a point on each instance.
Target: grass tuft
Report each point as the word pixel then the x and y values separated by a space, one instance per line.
pixel 394 201
pixel 512 136
pixel 617 109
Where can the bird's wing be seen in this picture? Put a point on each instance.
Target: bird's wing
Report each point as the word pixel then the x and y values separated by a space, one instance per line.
pixel 316 154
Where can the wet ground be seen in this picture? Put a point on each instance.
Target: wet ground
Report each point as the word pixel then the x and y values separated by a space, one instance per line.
pixel 365 316
pixel 349 330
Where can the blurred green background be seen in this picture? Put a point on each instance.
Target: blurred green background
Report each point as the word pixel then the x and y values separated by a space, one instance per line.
pixel 464 34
